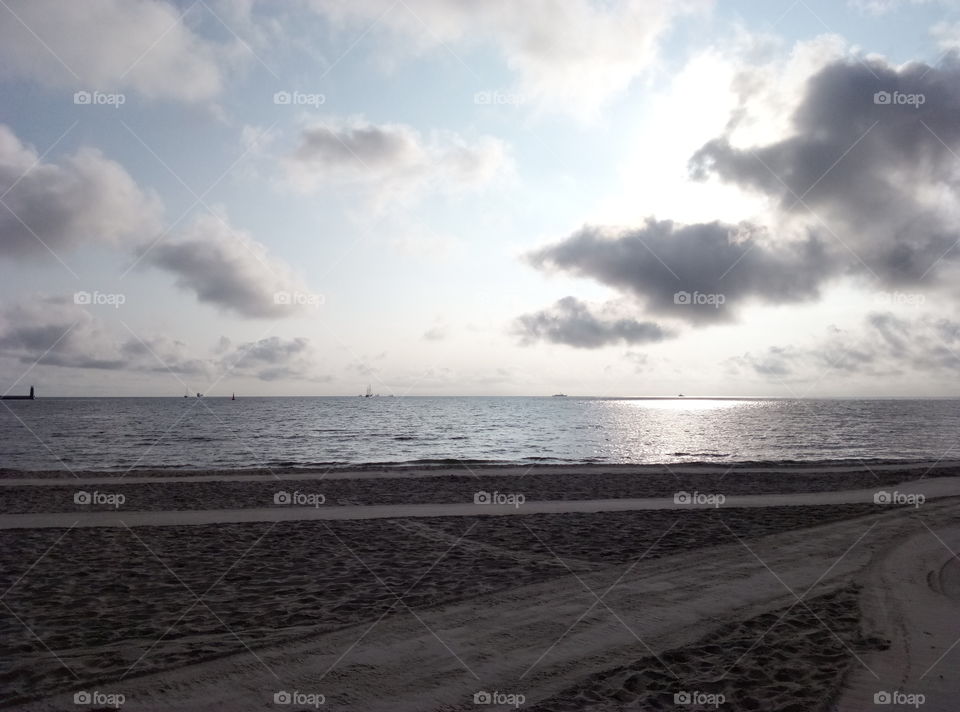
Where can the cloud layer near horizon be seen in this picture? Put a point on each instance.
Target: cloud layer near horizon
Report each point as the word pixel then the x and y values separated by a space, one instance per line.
pixel 53 331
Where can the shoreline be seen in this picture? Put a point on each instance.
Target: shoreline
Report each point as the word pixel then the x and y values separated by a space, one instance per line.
pixel 18 477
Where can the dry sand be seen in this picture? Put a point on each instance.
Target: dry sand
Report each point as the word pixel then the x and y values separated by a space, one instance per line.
pixel 812 600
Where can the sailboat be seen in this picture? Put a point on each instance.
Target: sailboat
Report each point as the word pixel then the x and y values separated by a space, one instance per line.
pixel 369 393
pixel 233 397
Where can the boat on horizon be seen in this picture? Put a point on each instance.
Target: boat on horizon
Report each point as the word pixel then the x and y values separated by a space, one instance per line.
pixel 559 395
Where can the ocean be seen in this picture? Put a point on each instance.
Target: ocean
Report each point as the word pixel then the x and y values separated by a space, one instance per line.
pixel 191 433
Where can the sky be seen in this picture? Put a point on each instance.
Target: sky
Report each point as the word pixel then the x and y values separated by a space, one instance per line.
pixel 451 197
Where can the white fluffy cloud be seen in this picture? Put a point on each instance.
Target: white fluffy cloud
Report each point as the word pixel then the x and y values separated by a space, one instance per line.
pixel 882 7
pixel 110 45
pixel 83 198
pixel 86 199
pixel 571 55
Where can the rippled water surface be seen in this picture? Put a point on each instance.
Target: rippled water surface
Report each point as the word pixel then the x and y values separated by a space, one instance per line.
pixel 122 433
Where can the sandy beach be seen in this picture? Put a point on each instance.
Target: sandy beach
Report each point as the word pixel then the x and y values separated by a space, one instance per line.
pixel 789 594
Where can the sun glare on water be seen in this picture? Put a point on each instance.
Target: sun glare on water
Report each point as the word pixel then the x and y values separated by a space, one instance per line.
pixel 687 404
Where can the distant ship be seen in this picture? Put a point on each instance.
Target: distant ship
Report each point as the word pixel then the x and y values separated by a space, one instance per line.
pixel 559 395
pixel 369 393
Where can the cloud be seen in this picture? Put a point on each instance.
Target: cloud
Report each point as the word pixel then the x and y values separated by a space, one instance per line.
pixel 111 45
pixel 639 361
pixel 877 177
pixel 83 198
pixel 884 345
pixel 882 7
pixel 53 331
pixel 699 273
pixel 571 322
pixel 273 359
pixel 861 188
pixel 571 56
pixel 391 160
pixel 226 267
pixel 438 332
pixel 947 34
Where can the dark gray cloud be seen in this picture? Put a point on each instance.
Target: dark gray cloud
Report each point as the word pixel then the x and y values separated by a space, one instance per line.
pixel 879 175
pixel 698 273
pixel 225 267
pixel 572 323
